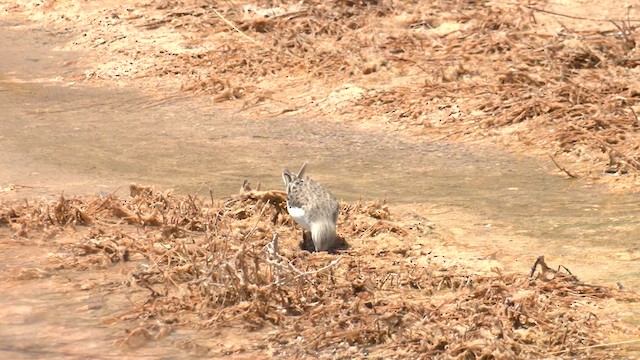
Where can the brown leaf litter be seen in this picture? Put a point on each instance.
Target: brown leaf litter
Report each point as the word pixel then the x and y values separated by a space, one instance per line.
pixel 203 263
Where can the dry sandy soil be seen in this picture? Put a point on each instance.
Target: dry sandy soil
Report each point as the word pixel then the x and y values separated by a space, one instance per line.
pixel 551 78
pixel 184 276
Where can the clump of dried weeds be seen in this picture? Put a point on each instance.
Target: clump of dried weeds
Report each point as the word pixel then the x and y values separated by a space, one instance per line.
pixel 235 263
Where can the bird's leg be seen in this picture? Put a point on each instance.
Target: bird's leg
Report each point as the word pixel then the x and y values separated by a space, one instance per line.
pixel 307 241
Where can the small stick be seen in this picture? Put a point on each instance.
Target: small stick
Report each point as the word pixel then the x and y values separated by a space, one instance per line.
pixel 572 16
pixel 571 175
pixel 543 266
pixel 200 188
pixel 596 346
pixel 276 269
pixel 635 116
pixel 276 260
pixel 257 221
pixel 332 263
pixel 238 30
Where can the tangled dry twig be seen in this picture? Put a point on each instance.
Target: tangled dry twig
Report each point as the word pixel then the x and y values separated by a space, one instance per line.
pixel 235 263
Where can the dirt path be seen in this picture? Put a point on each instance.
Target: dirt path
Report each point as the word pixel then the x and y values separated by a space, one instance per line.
pixel 541 79
pixel 52 313
pixel 490 208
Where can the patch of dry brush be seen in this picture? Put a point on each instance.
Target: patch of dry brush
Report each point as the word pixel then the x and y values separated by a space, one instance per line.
pixel 235 263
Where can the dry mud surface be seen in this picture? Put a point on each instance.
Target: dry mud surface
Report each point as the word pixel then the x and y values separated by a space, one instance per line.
pixel 548 77
pixel 152 274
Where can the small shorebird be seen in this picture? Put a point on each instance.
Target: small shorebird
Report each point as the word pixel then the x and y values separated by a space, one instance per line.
pixel 313 207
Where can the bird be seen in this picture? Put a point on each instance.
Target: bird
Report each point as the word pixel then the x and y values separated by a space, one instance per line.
pixel 313 207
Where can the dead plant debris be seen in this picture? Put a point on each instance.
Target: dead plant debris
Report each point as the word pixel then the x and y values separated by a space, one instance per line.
pixel 235 264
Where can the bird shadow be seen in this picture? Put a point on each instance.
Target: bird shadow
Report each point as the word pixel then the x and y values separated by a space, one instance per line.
pixel 307 244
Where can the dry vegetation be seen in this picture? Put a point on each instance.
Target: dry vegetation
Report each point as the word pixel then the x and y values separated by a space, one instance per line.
pixel 460 69
pixel 212 264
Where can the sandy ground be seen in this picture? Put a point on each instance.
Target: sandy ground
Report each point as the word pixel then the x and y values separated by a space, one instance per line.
pixel 549 78
pixel 533 81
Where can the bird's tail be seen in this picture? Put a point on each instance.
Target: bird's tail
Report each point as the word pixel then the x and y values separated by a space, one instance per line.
pixel 323 234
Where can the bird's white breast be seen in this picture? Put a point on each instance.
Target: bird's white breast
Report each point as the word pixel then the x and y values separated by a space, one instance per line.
pixel 300 216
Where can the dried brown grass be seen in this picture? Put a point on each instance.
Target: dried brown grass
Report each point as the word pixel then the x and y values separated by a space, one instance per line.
pixel 235 263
